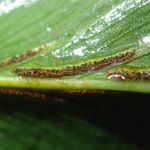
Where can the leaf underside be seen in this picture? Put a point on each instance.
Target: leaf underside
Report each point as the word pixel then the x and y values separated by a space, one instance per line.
pixel 74 44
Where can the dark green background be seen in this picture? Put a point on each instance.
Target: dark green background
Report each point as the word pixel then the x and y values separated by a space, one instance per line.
pixel 107 121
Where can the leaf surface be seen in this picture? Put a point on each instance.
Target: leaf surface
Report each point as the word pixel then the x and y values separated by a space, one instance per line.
pixel 75 44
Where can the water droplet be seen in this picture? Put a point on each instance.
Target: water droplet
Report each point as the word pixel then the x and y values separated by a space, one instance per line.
pixel 146 39
pixel 79 51
pixel 48 29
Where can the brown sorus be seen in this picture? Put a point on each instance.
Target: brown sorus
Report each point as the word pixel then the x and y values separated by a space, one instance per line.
pixel 21 92
pixel 18 58
pixel 42 95
pixel 25 55
pixel 130 75
pixel 75 70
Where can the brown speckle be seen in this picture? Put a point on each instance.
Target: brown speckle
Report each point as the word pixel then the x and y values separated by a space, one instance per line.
pixel 24 93
pixel 25 55
pixel 75 70
pixel 129 75
pixel 41 95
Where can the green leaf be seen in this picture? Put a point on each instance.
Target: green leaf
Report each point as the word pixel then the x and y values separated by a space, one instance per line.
pixel 74 44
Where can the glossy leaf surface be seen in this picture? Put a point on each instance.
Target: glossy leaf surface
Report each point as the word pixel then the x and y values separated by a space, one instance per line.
pixel 75 44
